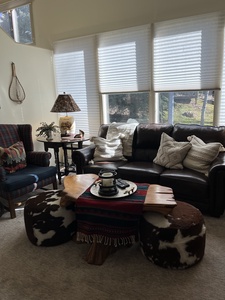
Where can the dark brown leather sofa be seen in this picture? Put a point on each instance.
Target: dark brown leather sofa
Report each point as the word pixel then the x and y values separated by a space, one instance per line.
pixel 207 193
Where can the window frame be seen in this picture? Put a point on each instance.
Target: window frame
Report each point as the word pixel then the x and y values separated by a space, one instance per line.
pixel 11 5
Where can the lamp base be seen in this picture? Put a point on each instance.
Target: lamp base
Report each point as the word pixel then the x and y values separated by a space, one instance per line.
pixel 67 125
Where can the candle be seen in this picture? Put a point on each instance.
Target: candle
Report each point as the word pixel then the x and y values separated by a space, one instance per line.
pixel 107 179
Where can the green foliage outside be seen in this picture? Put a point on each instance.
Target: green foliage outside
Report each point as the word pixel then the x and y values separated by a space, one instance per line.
pixel 188 113
pixel 189 107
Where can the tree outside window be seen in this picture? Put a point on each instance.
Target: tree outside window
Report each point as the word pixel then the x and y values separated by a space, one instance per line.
pixel 186 107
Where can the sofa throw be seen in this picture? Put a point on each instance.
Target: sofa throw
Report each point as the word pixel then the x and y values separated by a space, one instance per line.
pixel 127 129
pixel 108 150
pixel 201 155
pixel 171 153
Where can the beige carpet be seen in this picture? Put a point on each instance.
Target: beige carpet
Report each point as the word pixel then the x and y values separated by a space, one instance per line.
pixel 60 272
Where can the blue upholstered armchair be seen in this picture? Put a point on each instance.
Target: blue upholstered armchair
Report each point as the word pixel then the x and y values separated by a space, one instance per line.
pixel 22 169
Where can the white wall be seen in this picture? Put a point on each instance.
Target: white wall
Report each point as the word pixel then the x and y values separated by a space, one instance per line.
pixel 58 20
pixel 34 68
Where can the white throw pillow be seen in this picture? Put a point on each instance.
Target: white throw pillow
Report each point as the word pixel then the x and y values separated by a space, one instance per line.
pixel 171 153
pixel 201 155
pixel 108 150
pixel 127 129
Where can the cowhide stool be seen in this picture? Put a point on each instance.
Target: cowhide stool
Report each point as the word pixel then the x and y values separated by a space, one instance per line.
pixel 46 222
pixel 176 240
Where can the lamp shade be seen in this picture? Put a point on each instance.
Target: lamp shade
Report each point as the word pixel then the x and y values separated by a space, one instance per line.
pixel 65 103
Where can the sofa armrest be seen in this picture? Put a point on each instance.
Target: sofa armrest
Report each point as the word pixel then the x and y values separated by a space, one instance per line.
pixel 39 158
pixel 82 157
pixel 216 183
pixel 2 174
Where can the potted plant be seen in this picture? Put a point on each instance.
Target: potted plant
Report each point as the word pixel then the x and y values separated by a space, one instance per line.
pixel 47 130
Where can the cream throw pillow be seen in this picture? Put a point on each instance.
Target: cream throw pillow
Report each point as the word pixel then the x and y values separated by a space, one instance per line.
pixel 127 130
pixel 171 153
pixel 201 155
pixel 108 150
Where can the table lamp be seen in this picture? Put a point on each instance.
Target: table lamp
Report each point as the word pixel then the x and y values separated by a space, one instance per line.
pixel 65 103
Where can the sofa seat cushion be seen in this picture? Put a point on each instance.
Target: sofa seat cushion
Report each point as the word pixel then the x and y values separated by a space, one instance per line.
pixel 187 185
pixel 27 176
pixel 140 172
pixel 98 166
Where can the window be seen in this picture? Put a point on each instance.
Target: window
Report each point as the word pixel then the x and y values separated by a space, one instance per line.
pixel 75 69
pixel 16 21
pixel 168 72
pixel 123 107
pixel 186 107
pixel 124 74
pixel 187 57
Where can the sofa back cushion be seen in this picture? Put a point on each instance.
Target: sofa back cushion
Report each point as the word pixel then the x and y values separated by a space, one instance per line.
pixel 208 134
pixel 103 129
pixel 147 140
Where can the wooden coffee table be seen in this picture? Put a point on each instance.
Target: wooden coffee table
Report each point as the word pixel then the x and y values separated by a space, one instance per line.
pixel 158 199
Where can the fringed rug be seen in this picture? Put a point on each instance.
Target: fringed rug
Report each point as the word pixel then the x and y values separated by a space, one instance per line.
pixel 110 221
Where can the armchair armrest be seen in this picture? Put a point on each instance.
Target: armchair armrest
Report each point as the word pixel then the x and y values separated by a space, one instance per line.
pixel 216 183
pixel 82 157
pixel 40 158
pixel 2 174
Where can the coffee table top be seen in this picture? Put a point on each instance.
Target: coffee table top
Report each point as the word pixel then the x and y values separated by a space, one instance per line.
pixel 158 198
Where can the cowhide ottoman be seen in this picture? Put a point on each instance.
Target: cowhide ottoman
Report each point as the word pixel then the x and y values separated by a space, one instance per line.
pixel 46 222
pixel 176 240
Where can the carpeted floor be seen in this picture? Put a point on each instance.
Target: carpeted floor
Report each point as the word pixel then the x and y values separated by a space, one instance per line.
pixel 32 273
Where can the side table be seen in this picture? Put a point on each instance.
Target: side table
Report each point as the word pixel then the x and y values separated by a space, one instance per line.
pixel 56 143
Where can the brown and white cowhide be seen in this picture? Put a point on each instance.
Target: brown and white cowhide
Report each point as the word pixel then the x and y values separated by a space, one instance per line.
pixel 46 222
pixel 175 241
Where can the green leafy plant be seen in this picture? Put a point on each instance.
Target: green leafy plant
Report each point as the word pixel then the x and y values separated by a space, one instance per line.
pixel 45 129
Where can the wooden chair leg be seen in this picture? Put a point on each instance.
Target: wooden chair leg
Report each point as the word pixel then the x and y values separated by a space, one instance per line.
pixel 55 185
pixel 12 209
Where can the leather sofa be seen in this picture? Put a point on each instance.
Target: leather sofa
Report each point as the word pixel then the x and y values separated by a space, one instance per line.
pixel 207 193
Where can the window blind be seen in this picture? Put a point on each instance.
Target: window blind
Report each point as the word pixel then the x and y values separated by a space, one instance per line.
pixel 188 53
pixel 75 72
pixel 222 98
pixel 124 60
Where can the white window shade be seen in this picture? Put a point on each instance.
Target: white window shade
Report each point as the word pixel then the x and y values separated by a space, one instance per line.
pixel 188 53
pixel 222 99
pixel 75 68
pixel 124 60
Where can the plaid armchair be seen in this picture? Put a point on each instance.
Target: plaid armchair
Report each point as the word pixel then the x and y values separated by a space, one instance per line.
pixel 22 169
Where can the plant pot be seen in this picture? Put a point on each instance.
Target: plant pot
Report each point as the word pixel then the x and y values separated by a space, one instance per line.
pixel 49 135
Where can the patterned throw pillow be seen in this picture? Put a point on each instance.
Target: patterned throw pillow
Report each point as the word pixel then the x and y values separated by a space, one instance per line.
pixel 108 150
pixel 171 153
pixel 201 155
pixel 13 158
